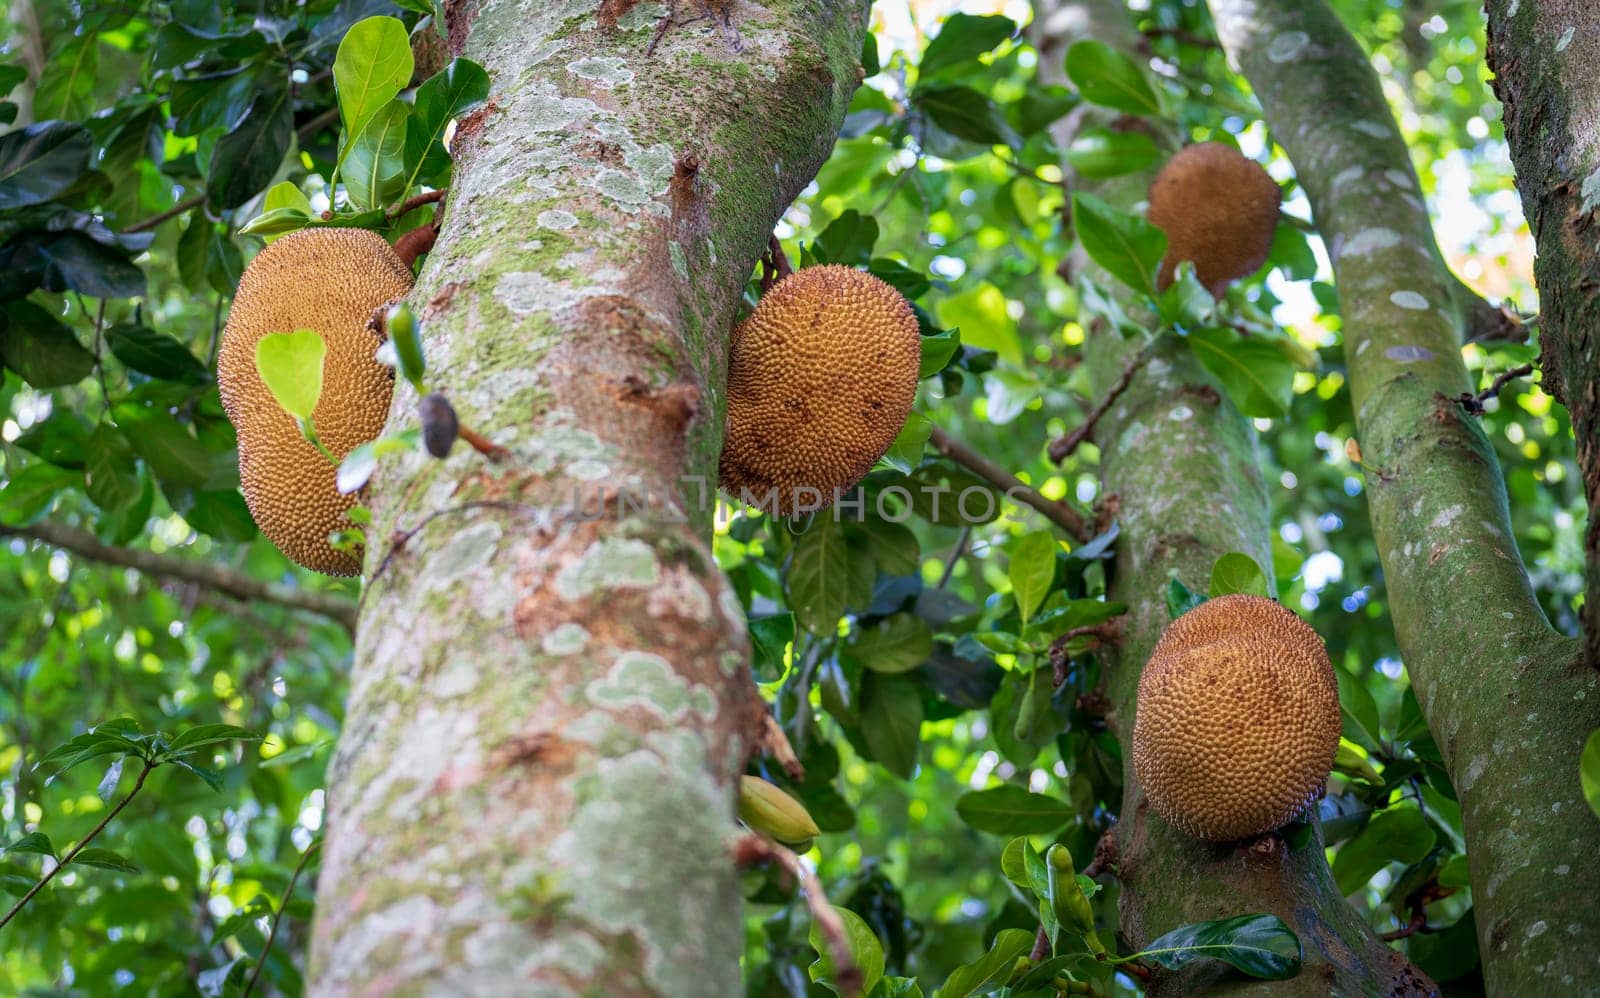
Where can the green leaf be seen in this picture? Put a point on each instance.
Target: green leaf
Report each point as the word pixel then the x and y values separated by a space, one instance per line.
pixel 966 114
pixel 1127 246
pixel 247 158
pixel 848 240
pixel 991 970
pixel 898 643
pixel 445 96
pixel 891 721
pixel 1237 572
pixel 155 354
pixel 1012 810
pixel 406 339
pixel 286 194
pixel 815 581
pixel 358 465
pixel 961 38
pixel 291 366
pixel 1589 771
pixel 1398 835
pixel 269 225
pixel 1032 569
pixel 1101 152
pixel 1107 77
pixel 375 161
pixel 36 843
pixel 373 64
pixel 937 350
pixel 1180 600
pixel 40 162
pixel 39 347
pixel 209 734
pixel 258 907
pixel 865 950
pixel 1255 374
pixel 909 445
pixel 29 493
pixel 103 859
pixel 1258 945
pixel 167 446
pixel 769 636
pixel 1360 710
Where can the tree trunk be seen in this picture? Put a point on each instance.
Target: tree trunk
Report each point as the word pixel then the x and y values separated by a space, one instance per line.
pixel 1183 467
pixel 550 702
pixel 1508 700
pixel 1545 55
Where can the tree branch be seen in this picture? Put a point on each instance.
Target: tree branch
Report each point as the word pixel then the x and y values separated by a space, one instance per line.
pixel 756 849
pixel 1062 447
pixel 154 220
pixel 277 916
pixel 193 570
pixel 1057 512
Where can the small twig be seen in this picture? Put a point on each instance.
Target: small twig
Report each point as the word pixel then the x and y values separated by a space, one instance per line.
pixel 272 930
pixel 1417 923
pixel 154 220
pixel 483 445
pixel 1181 35
pixel 754 849
pixel 210 574
pixel 1107 631
pixel 1055 511
pixel 413 203
pixel 776 744
pixel 955 556
pixel 1474 403
pixel 1041 945
pixel 1105 855
pixel 71 854
pixel 667 21
pixel 1062 447
pixel 775 265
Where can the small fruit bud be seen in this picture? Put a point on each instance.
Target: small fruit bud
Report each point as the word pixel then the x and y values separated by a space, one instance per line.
pixel 439 424
pixel 401 326
pixel 770 811
pixel 1066 897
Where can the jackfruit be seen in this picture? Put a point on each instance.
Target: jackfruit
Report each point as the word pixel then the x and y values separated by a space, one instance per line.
pixel 770 811
pixel 1237 719
pixel 1219 208
pixel 330 281
pixel 821 378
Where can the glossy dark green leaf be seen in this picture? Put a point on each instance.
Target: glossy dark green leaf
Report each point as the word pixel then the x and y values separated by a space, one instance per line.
pixel 898 643
pixel 1012 810
pixel 815 579
pixel 214 100
pixel 1261 946
pixel 244 161
pixel 155 354
pixel 166 445
pixel 1127 246
pixel 1398 835
pixel 110 477
pixel 374 169
pixel 847 240
pixel 63 439
pixel 891 721
pixel 448 94
pixel 209 734
pixel 36 843
pixel 1109 78
pixel 769 636
pixel 966 114
pixel 865 949
pixel 72 261
pixel 963 37
pixel 1258 378
pixel 42 161
pixel 991 970
pixel 40 348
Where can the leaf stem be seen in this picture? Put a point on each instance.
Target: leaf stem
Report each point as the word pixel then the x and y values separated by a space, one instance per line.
pixel 272 931
pixel 73 852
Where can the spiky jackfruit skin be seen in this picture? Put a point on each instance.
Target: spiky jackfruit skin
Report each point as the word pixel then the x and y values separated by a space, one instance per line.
pixel 821 378
pixel 1219 208
pixel 1237 719
pixel 329 280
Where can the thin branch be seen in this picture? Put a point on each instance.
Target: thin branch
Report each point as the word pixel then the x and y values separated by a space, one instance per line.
pixel 413 203
pixel 173 212
pixel 955 556
pixel 1062 447
pixel 1474 403
pixel 1417 923
pixel 754 849
pixel 775 743
pixel 205 573
pixel 1055 511
pixel 272 931
pixel 72 854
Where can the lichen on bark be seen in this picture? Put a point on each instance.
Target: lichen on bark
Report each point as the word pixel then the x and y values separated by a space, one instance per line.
pixel 1508 699
pixel 533 790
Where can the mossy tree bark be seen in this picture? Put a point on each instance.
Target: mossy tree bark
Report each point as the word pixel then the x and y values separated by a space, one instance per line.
pixel 1184 468
pixel 533 791
pixel 1507 698
pixel 1545 55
